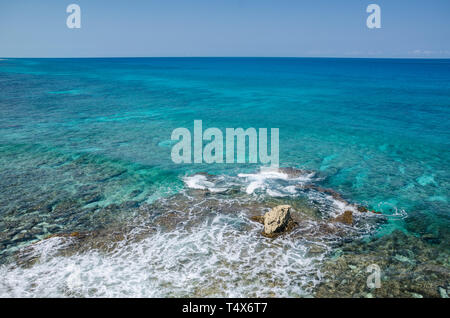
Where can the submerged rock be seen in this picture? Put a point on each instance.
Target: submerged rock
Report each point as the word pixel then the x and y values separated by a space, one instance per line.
pixel 316 249
pixel 443 292
pixel 276 220
pixel 431 238
pixel 362 209
pixel 423 277
pixel 72 234
pixel 403 259
pixel 293 172
pixel 258 218
pixel 346 218
pixel 333 193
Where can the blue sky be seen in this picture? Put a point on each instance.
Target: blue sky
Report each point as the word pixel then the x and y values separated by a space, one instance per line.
pixel 318 28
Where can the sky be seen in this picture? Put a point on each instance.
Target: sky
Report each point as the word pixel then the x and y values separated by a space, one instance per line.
pixel 265 28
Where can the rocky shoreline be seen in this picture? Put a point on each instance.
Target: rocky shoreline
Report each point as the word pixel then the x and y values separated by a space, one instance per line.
pixel 411 266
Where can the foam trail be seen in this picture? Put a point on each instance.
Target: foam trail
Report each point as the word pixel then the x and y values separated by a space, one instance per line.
pixel 266 176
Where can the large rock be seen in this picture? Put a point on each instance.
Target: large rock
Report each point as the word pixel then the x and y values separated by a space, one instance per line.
pixel 276 220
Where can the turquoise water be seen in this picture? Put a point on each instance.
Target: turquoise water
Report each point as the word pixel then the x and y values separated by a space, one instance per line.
pixel 97 131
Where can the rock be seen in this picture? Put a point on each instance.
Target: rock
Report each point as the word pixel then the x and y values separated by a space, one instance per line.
pixel 316 249
pixel 403 259
pixel 135 193
pixel 293 172
pixel 128 205
pixel 362 209
pixel 337 254
pixel 346 218
pixel 258 218
pixel 431 238
pixel 22 237
pixel 73 234
pixel 276 220
pixel 334 194
pixel 443 292
pixel 91 198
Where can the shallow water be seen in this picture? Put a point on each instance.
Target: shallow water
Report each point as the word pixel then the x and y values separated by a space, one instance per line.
pixel 84 143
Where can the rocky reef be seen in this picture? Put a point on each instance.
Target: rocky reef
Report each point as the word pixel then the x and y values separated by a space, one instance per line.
pixel 409 267
pixel 340 241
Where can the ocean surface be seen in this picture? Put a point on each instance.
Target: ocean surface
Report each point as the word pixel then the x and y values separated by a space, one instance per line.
pixel 85 146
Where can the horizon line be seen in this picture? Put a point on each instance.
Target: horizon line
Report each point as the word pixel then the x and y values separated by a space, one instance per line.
pixel 261 57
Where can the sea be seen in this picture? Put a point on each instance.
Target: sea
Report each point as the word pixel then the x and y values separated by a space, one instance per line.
pixel 92 204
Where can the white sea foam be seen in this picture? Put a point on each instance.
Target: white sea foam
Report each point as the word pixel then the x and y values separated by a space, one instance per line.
pixel 223 256
pixel 200 182
pixel 269 181
pixel 341 206
pixel 45 249
pixel 266 180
